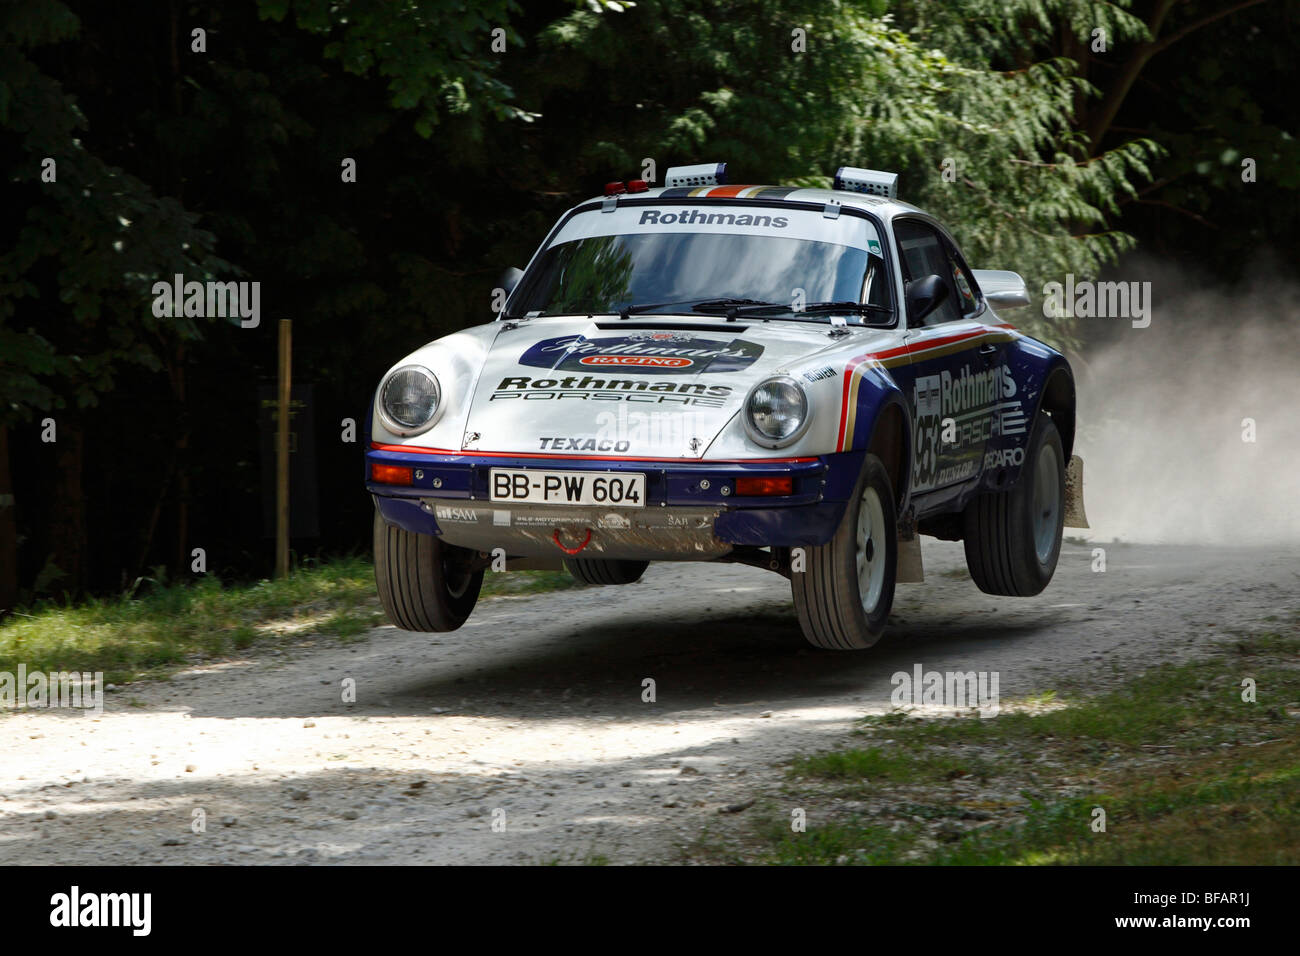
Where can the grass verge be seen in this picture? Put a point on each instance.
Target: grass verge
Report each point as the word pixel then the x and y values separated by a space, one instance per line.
pixel 1185 771
pixel 171 626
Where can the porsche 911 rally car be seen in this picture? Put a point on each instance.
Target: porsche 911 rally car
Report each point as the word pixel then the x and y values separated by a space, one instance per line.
pixel 802 380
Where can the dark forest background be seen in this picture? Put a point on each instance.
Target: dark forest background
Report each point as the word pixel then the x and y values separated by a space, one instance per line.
pixel 225 163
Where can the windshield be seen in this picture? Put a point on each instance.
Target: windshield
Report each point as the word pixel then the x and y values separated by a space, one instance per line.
pixel 670 271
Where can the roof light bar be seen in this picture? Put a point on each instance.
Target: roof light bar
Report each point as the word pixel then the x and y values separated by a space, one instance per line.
pixel 702 174
pixel 874 182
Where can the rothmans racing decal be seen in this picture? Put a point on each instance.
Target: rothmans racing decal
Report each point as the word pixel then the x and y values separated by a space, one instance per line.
pixel 973 400
pixel 650 352
pixel 594 389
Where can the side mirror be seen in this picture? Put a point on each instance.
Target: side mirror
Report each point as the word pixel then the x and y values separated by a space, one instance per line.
pixel 924 296
pixel 1002 289
pixel 510 278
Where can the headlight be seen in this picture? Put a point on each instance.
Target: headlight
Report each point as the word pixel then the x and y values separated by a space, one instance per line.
pixel 776 411
pixel 409 399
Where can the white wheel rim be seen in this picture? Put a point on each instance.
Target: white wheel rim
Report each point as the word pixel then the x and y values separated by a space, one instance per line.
pixel 1047 502
pixel 872 549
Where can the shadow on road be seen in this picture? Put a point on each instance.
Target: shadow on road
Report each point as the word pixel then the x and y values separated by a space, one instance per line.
pixel 598 667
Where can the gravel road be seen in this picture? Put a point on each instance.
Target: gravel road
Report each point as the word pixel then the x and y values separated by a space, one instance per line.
pixel 531 717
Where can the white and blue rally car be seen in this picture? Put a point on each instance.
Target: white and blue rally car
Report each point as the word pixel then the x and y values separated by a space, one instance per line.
pixel 799 379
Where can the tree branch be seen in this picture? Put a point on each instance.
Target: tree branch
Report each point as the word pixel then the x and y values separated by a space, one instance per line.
pixel 1137 61
pixel 1119 90
pixel 1186 212
pixel 1158 184
pixel 1166 42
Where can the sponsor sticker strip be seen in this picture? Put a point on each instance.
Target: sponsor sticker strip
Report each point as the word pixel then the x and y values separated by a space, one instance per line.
pixel 901 355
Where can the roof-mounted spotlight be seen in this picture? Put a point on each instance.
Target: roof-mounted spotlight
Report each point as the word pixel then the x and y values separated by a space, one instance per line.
pixel 874 182
pixel 702 174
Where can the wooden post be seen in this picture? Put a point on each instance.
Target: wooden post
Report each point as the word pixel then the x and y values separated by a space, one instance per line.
pixel 282 452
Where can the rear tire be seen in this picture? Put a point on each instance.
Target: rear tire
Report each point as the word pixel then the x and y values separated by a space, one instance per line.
pixel 846 589
pixel 605 570
pixel 424 584
pixel 1013 538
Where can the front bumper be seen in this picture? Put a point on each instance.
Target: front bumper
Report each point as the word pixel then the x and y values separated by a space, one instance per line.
pixel 691 511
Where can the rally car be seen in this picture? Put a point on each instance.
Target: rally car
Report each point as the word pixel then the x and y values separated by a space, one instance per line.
pixel 798 379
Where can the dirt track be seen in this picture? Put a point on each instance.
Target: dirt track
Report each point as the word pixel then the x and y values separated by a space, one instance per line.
pixel 534 709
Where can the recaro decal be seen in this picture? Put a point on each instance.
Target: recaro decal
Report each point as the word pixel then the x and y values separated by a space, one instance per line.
pixel 655 352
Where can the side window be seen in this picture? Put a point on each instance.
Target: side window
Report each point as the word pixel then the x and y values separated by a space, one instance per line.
pixel 923 252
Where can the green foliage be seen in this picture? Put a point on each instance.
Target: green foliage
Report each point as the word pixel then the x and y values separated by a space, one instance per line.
pixel 1194 77
pixel 873 763
pixel 437 56
pixel 1186 771
pixel 157 625
pixel 167 158
pixel 1010 30
pixel 864 93
pixel 74 281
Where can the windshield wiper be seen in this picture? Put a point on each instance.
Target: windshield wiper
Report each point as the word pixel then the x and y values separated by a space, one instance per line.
pixel 733 307
pixel 697 305
pixel 649 307
pixel 816 308
pixel 714 305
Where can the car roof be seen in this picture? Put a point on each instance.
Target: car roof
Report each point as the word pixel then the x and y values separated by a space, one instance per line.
pixel 879 205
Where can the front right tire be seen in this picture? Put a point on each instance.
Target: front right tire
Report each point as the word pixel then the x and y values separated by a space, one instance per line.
pixel 846 589
pixel 1013 537
pixel 605 570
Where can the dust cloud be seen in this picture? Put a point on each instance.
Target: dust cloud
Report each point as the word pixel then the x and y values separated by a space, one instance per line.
pixel 1162 413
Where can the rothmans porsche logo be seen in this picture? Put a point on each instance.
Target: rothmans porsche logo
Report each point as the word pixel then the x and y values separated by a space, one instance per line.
pixel 645 352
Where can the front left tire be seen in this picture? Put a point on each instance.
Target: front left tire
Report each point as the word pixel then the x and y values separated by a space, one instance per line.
pixel 424 583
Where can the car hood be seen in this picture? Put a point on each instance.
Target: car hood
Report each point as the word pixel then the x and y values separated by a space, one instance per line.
pixel 645 387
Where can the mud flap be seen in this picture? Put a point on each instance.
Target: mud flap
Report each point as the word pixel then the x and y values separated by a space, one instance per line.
pixel 1074 513
pixel 910 570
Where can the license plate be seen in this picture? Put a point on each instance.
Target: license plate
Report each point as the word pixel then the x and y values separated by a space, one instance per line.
pixel 568 488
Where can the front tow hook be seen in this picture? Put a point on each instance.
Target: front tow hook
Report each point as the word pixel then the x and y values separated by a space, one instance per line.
pixel 570 551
